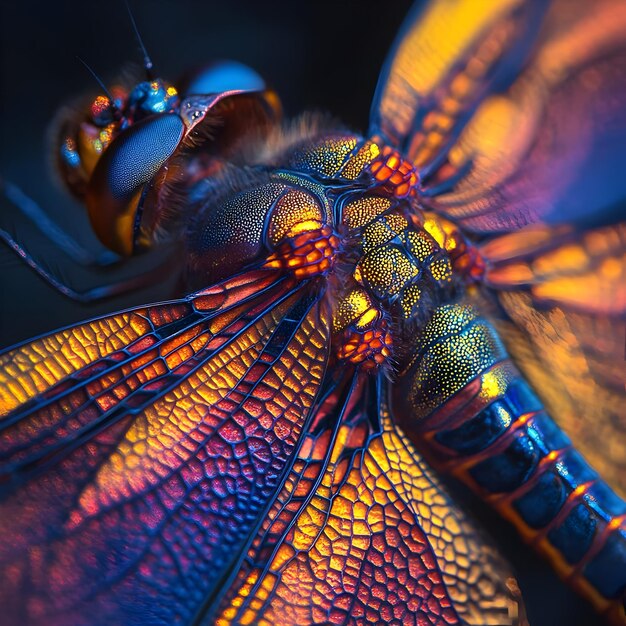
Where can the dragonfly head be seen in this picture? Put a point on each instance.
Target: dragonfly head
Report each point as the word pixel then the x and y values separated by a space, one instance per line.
pixel 86 133
pixel 116 153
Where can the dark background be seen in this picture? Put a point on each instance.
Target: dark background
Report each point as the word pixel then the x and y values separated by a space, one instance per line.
pixel 322 55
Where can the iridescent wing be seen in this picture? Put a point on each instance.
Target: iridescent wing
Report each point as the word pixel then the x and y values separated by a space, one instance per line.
pixel 195 460
pixel 138 450
pixel 362 531
pixel 447 59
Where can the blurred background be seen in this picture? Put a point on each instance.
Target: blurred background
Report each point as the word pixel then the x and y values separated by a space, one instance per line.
pixel 317 55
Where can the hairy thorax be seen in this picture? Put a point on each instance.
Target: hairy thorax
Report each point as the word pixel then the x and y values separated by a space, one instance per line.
pixel 345 213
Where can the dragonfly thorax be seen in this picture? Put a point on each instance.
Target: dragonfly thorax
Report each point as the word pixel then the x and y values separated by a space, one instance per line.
pixel 343 212
pixel 394 264
pixel 394 273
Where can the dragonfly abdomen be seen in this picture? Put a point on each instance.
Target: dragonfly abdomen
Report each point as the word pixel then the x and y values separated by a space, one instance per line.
pixel 481 422
pixel 531 473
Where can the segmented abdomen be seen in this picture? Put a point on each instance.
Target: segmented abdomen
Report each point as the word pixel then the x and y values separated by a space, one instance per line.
pixel 478 419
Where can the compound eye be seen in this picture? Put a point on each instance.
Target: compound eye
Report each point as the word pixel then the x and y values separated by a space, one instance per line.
pixel 120 177
pixel 225 76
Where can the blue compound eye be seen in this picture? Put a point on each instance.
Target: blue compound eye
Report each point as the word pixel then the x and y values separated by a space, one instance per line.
pixel 131 161
pixel 225 76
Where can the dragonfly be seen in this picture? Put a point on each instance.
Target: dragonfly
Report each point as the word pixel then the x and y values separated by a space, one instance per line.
pixel 260 451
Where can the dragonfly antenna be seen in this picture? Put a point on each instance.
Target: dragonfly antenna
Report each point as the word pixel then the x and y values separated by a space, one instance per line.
pixel 147 61
pixel 100 82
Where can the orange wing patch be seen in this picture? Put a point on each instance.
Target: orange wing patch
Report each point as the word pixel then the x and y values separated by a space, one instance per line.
pixel 441 66
pixel 584 272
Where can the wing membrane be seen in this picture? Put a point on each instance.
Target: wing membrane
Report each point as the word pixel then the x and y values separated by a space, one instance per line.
pixel 147 470
pixel 447 57
pixel 549 148
pixel 581 271
pixel 362 530
pixel 34 367
pixel 109 378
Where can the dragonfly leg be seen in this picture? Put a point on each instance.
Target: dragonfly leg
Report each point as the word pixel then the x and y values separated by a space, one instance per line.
pixel 94 294
pixel 48 227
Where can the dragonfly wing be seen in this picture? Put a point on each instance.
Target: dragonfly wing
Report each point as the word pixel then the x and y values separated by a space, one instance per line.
pixel 550 147
pixel 138 450
pixel 447 58
pixel 362 531
pixel 564 293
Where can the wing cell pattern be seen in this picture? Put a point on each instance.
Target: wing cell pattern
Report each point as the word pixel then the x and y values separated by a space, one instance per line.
pixel 138 505
pixel 363 533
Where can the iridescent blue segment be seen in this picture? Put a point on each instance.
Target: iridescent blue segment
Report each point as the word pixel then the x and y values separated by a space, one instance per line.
pixel 574 536
pixel 225 76
pixel 513 467
pixel 510 469
pixel 551 486
pixel 481 431
pixel 542 503
pixel 601 570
